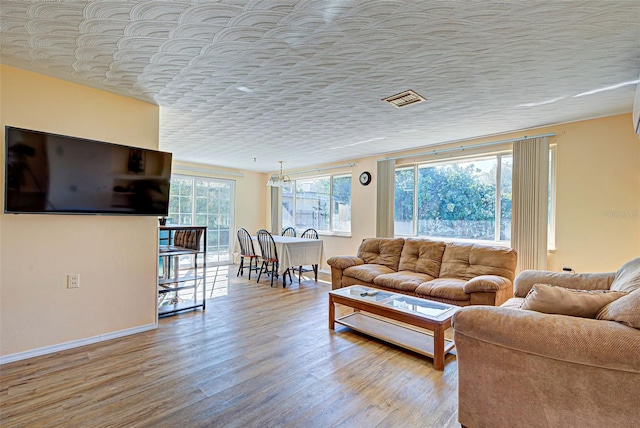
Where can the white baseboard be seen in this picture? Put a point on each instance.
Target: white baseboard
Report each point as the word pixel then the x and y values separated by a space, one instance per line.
pixel 75 343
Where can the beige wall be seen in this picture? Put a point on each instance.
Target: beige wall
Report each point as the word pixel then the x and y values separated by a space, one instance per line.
pixel 598 194
pixel 251 205
pixel 363 209
pixel 114 255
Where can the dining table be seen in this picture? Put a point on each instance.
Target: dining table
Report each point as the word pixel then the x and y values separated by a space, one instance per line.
pixel 294 251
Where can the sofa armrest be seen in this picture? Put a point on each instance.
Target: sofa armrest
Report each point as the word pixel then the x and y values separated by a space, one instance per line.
pixel 338 264
pixel 577 281
pixel 343 262
pixel 560 371
pixel 590 342
pixel 486 284
pixel 336 278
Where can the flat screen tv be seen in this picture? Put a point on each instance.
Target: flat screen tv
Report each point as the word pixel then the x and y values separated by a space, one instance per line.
pixel 56 174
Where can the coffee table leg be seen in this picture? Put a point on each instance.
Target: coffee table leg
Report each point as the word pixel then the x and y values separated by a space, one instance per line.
pixel 332 314
pixel 438 348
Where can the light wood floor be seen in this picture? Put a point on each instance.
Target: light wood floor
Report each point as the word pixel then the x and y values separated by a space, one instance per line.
pixel 257 357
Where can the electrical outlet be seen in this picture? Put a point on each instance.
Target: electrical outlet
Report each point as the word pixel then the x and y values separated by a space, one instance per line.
pixel 73 280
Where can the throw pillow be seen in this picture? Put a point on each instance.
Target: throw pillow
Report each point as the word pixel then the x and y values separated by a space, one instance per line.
pixel 565 301
pixel 625 310
pixel 628 277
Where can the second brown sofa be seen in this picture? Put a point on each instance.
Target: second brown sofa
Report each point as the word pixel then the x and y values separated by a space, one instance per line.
pixel 456 273
pixel 558 370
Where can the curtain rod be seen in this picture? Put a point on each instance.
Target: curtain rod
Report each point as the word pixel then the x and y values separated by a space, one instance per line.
pixel 323 169
pixel 472 146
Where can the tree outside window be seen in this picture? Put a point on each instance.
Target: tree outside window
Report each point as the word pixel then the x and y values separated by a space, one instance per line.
pixel 506 194
pixel 404 201
pixel 456 199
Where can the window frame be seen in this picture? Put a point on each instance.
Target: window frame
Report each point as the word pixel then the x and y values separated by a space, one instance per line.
pixel 498 155
pixel 498 215
pixel 330 177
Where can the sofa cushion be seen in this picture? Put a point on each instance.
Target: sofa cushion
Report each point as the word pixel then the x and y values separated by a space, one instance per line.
pixel 488 284
pixel 550 299
pixel 343 262
pixel 513 303
pixel 628 277
pixel 577 281
pixel 403 280
pixel 347 281
pixel 465 261
pixel 422 255
pixel 443 288
pixel 366 272
pixel 381 251
pixel 625 310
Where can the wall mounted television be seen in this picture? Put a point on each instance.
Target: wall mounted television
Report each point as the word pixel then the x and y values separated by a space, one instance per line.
pixel 56 174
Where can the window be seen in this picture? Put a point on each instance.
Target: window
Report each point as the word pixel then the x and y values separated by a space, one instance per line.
pixel 205 202
pixel 455 199
pixel 321 203
pixel 506 192
pixel 403 210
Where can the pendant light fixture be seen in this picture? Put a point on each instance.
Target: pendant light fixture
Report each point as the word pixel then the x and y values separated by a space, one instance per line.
pixel 280 179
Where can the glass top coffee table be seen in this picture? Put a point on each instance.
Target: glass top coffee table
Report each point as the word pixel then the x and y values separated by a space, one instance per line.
pixel 410 322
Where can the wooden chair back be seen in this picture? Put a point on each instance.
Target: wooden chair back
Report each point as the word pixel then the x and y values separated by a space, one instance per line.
pixel 289 231
pixel 267 246
pixel 310 234
pixel 246 244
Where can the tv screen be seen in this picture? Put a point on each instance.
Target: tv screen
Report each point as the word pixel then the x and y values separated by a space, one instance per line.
pixel 48 173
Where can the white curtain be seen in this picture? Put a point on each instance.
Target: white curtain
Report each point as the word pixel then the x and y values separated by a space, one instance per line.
pixel 276 207
pixel 385 198
pixel 530 202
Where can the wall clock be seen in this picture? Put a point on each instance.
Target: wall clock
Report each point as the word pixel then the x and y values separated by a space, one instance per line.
pixel 365 178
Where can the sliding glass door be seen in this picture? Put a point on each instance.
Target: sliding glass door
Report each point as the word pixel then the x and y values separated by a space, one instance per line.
pixel 205 202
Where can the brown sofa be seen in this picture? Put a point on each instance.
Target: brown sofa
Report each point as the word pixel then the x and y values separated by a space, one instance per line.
pixel 555 370
pixel 455 273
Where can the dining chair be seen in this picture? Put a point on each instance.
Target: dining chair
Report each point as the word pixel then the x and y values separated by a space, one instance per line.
pixel 309 234
pixel 270 255
pixel 289 231
pixel 246 250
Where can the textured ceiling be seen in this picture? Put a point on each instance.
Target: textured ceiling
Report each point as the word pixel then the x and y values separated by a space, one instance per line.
pixel 302 81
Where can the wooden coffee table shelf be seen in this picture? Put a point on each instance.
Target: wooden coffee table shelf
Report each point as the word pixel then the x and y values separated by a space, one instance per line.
pixel 419 341
pixel 410 322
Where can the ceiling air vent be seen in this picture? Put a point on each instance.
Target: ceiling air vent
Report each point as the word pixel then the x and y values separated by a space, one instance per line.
pixel 404 99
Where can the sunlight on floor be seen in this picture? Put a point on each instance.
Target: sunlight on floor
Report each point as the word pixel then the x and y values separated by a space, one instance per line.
pixel 217 283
